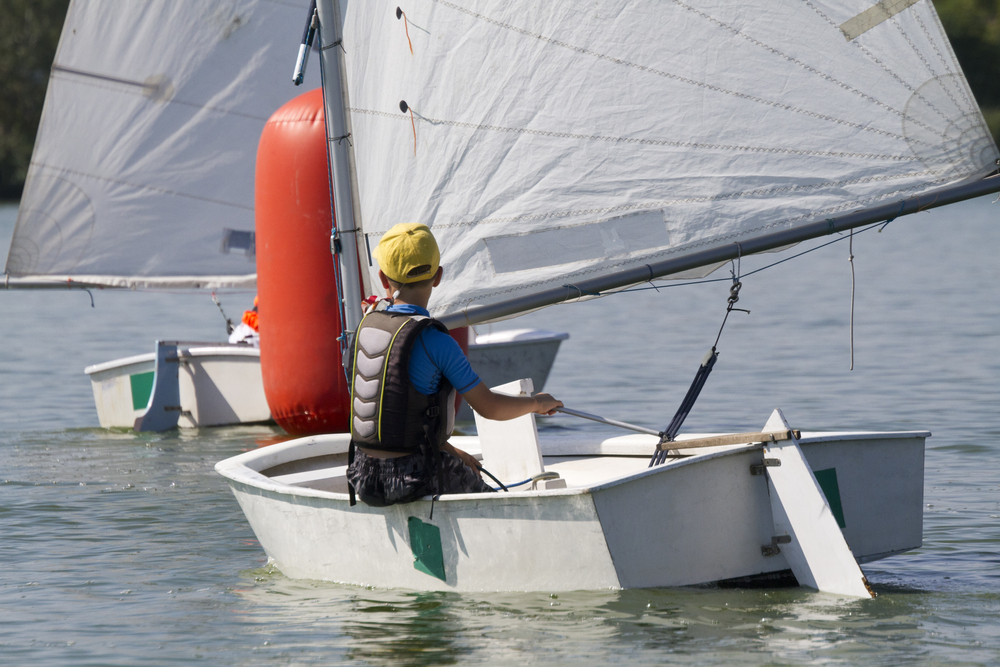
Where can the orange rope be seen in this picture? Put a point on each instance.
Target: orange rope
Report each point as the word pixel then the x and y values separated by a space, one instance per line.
pixel 414 125
pixel 406 25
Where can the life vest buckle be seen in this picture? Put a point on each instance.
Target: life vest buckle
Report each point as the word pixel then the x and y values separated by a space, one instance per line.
pixel 433 411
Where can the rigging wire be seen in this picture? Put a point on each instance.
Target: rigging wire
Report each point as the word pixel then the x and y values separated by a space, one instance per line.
pixel 229 322
pixel 850 258
pixel 880 225
pixel 707 364
pixel 734 292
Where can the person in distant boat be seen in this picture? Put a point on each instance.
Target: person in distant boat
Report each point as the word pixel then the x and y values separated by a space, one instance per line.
pixel 247 331
pixel 405 374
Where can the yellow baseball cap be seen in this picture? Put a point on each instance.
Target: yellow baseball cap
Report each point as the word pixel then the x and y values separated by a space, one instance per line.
pixel 406 248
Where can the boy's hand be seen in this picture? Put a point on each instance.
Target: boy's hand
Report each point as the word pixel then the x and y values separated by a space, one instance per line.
pixel 467 459
pixel 546 404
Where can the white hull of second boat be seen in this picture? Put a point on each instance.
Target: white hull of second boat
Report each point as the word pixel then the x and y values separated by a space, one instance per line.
pixel 619 524
pixel 505 356
pixel 219 384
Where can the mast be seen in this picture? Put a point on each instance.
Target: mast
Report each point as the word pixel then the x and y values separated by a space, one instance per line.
pixel 933 199
pixel 339 151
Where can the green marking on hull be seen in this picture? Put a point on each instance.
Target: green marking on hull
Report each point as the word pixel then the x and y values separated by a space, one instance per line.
pixel 142 387
pixel 425 541
pixel 828 482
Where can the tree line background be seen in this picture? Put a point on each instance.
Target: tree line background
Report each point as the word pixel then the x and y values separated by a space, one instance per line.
pixel 29 33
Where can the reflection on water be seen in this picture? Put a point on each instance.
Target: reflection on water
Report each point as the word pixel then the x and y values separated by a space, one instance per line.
pixel 703 626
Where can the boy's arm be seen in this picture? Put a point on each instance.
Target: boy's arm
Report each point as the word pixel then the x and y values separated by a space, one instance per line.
pixel 501 407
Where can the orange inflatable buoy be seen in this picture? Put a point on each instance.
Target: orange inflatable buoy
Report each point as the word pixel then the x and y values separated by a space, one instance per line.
pixel 298 313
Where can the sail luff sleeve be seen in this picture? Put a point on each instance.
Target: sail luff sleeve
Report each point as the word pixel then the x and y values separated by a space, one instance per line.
pixel 338 148
pixel 723 253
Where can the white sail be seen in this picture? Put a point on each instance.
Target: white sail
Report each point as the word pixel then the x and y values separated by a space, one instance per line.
pixel 558 141
pixel 143 169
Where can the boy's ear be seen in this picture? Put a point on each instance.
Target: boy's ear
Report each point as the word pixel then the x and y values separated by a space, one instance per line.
pixel 384 279
pixel 437 277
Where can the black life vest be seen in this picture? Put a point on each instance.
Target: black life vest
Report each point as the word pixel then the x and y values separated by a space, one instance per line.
pixel 387 412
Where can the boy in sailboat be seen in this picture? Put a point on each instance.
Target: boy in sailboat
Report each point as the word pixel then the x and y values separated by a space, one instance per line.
pixel 405 374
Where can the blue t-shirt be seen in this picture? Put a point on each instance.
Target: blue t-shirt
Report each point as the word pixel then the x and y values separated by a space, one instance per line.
pixel 435 354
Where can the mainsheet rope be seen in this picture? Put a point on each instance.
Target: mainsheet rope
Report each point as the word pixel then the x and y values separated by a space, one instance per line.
pixel 707 364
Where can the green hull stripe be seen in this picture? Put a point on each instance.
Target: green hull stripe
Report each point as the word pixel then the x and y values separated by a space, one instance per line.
pixel 425 541
pixel 828 482
pixel 142 387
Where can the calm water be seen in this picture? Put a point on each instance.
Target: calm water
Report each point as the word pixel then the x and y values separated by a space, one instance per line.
pixel 120 549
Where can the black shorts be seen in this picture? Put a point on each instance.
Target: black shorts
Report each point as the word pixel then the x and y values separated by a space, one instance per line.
pixel 382 482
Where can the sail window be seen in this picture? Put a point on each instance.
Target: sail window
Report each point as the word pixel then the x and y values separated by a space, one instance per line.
pixel 234 239
pixel 604 239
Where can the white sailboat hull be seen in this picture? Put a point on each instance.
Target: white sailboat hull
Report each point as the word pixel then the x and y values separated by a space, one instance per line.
pixel 219 385
pixel 619 524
